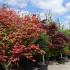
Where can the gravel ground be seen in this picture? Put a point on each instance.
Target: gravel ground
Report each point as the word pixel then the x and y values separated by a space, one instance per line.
pixel 56 66
pixel 65 66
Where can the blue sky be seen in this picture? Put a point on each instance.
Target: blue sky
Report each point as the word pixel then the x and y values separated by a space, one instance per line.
pixel 58 8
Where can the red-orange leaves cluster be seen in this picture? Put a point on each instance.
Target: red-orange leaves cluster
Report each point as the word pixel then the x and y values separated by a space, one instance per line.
pixel 34 47
pixel 27 27
pixel 25 51
pixel 30 29
pixel 8 17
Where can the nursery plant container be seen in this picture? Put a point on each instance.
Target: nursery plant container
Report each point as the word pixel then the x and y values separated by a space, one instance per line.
pixel 26 65
pixel 61 60
pixel 43 66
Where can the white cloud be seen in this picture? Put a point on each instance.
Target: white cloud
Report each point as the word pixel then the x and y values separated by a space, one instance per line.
pixel 67 17
pixel 67 4
pixel 17 3
pixel 55 6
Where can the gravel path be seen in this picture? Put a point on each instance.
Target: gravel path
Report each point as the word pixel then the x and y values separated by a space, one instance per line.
pixel 56 66
pixel 65 66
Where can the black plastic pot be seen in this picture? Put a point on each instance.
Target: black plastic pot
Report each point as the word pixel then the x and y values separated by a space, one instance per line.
pixel 43 66
pixel 61 60
pixel 26 64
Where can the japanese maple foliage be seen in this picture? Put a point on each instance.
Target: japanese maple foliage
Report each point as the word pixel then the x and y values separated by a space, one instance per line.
pixel 57 40
pixel 8 17
pixel 17 35
pixel 26 51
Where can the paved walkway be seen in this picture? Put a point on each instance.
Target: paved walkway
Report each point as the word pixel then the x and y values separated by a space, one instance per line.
pixel 65 66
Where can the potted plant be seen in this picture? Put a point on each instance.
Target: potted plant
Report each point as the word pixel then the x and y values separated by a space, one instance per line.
pixel 57 41
pixel 16 38
pixel 29 60
pixel 43 65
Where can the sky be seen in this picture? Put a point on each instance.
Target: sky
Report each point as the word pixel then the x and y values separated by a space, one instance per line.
pixel 59 9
